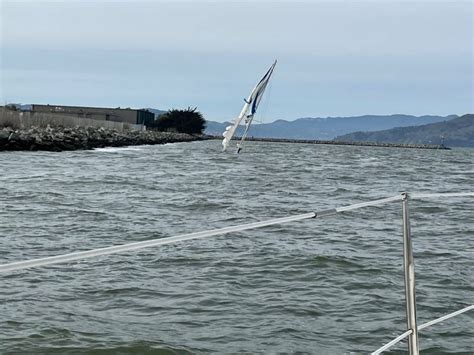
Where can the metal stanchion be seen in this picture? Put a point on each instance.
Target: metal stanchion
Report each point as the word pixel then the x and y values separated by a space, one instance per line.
pixel 409 267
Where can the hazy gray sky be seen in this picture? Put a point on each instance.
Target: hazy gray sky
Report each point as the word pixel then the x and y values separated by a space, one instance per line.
pixel 335 58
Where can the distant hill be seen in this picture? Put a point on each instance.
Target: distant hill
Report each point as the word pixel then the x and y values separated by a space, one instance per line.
pixel 327 128
pixel 457 132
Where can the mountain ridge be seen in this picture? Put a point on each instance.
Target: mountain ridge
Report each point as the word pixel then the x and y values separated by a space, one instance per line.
pixel 328 128
pixel 457 132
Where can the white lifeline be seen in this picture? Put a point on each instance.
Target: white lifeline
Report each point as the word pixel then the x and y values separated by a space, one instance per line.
pixel 251 104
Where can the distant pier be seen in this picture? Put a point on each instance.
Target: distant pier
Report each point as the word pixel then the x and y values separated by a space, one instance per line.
pixel 362 144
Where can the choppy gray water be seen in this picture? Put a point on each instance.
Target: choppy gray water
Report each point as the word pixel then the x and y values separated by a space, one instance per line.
pixel 318 286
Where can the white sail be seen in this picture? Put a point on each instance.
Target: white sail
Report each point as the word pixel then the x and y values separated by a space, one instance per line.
pixel 248 111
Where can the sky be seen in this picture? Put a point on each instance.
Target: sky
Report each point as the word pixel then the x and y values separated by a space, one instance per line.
pixel 335 58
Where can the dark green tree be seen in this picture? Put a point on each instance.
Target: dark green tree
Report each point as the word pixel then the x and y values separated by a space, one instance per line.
pixel 183 121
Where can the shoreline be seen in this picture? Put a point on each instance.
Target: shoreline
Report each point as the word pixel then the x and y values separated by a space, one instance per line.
pixel 57 139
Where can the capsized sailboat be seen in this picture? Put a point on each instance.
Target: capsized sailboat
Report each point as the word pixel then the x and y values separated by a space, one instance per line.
pixel 248 111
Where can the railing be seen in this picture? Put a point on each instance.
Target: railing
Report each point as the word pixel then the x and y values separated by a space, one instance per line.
pixel 409 268
pixel 420 327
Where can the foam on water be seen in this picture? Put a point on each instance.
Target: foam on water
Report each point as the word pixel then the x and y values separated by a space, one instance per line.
pixel 118 149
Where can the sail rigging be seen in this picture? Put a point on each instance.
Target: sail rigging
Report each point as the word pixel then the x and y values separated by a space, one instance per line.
pixel 248 111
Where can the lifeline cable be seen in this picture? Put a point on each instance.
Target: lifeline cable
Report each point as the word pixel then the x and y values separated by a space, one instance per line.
pixel 420 327
pixel 19 265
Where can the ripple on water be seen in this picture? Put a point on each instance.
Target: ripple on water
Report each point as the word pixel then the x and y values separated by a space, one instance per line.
pixel 335 284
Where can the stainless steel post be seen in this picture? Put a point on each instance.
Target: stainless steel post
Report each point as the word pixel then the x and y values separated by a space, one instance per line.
pixel 409 267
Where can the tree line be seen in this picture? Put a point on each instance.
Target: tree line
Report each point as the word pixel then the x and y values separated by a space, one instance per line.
pixel 188 121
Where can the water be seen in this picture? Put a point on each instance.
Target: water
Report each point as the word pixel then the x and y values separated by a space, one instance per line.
pixel 333 285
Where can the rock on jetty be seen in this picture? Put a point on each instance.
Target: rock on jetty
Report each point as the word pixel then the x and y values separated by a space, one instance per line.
pixel 59 139
pixel 335 142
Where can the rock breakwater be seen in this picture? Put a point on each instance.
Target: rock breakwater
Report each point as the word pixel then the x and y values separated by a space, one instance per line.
pixel 59 139
pixel 336 142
